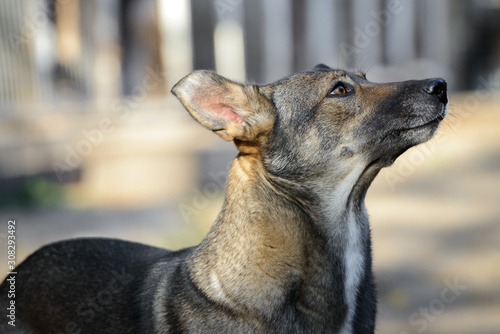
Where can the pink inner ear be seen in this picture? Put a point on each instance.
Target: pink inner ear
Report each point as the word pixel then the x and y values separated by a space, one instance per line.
pixel 221 111
pixel 228 113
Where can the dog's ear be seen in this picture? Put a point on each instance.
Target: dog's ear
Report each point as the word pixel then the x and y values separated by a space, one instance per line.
pixel 322 67
pixel 232 110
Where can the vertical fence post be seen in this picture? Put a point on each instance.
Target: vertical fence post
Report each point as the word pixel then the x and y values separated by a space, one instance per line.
pixel 253 32
pixel 203 34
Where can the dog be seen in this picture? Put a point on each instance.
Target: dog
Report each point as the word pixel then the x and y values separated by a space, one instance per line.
pixel 290 251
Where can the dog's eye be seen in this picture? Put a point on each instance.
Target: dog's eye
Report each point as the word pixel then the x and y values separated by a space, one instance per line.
pixel 340 89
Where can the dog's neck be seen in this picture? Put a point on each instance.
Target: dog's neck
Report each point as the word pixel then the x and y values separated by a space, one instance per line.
pixel 265 247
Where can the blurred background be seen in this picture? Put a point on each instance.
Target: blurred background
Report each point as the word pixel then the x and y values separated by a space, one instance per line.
pixel 92 143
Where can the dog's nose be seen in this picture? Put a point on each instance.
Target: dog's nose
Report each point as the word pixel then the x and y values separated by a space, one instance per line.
pixel 436 87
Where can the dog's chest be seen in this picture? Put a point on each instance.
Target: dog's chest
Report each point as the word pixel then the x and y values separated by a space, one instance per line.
pixel 329 295
pixel 354 261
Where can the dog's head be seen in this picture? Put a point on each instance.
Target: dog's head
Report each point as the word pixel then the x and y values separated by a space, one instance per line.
pixel 316 124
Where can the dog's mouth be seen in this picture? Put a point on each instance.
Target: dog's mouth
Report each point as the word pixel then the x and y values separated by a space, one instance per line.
pixel 402 139
pixel 430 124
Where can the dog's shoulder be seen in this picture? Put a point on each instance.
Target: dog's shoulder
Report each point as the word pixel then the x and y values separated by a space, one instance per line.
pixel 95 282
pixel 76 253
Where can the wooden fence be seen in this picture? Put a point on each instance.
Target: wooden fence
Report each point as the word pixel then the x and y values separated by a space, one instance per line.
pixel 95 50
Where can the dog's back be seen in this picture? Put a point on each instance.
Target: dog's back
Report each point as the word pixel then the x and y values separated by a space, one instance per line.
pixel 83 285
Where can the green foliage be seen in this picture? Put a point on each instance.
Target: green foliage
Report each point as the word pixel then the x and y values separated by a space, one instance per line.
pixel 30 191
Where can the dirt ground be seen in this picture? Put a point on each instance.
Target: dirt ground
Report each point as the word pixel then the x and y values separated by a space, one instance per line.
pixel 435 218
